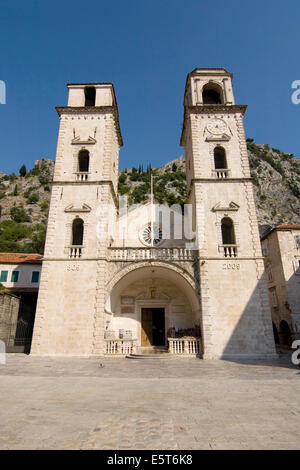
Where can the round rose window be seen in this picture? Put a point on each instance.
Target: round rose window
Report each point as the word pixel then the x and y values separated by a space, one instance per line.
pixel 148 236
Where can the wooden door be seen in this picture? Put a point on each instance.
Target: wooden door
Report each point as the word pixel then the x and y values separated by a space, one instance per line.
pixel 146 334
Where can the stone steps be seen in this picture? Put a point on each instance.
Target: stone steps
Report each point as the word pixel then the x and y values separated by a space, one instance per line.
pixel 165 355
pixel 150 352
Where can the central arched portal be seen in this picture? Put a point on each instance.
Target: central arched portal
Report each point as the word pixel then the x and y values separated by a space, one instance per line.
pixel 151 304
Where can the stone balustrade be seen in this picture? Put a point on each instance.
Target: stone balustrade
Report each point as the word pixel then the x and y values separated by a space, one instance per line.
pixel 135 254
pixel 82 176
pixel 120 347
pixel 185 346
pixel 75 251
pixel 221 173
pixel 229 251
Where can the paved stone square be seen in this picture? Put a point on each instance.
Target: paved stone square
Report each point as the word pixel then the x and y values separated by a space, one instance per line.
pixel 59 403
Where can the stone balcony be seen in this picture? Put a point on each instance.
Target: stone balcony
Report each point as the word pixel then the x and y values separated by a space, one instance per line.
pixel 75 251
pixel 221 173
pixel 229 251
pixel 141 253
pixel 82 176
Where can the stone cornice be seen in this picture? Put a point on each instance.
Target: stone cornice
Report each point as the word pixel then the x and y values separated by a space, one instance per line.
pixel 217 108
pixel 220 180
pixel 210 109
pixel 93 110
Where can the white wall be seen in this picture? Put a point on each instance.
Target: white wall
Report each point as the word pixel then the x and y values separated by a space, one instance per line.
pixel 25 275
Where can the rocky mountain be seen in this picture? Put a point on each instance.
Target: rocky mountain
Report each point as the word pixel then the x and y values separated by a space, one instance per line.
pixel 276 178
pixel 24 199
pixel 24 204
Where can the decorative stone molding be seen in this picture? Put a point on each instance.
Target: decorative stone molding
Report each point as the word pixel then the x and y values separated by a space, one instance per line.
pixel 83 208
pixel 77 141
pixel 133 266
pixel 232 206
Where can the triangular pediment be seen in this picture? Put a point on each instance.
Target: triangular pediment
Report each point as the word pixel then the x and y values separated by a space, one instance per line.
pixel 83 208
pixel 232 206
pixel 218 138
pixel 78 141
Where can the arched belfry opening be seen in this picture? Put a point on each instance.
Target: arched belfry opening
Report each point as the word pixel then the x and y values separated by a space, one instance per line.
pixel 212 94
pixel 220 158
pixel 77 232
pixel 228 235
pixel 83 161
pixel 90 95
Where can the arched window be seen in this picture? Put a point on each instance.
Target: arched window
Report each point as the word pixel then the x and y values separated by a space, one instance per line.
pixel 90 96
pixel 212 94
pixel 228 236
pixel 285 333
pixel 83 161
pixel 220 158
pixel 77 232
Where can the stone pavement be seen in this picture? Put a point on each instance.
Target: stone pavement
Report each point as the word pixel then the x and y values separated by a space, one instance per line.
pixel 59 403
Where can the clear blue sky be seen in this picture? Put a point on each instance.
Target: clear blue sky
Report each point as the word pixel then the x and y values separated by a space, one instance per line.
pixel 146 48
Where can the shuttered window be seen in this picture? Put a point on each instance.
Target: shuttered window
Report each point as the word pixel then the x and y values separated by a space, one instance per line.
pixel 3 276
pixel 15 276
pixel 35 276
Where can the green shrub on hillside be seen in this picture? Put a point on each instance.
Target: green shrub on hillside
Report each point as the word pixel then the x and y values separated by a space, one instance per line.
pixel 33 198
pixel 18 214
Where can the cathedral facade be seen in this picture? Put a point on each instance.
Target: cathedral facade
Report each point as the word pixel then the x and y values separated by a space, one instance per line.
pixel 146 284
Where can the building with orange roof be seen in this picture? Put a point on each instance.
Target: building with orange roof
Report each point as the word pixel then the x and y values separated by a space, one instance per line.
pixel 20 272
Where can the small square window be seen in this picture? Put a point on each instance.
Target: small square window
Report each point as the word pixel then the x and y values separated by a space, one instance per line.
pixel 15 276
pixel 3 277
pixel 35 276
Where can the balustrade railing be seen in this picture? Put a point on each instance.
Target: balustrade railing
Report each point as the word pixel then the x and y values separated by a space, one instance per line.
pixel 133 254
pixel 185 346
pixel 221 173
pixel 82 176
pixel 120 347
pixel 75 251
pixel 229 251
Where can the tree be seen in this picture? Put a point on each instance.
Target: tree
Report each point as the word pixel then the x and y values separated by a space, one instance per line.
pixel 15 193
pixel 174 167
pixel 122 178
pixel 23 171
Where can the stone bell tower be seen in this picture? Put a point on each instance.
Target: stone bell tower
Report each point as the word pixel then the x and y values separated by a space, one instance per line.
pixel 236 319
pixel 69 317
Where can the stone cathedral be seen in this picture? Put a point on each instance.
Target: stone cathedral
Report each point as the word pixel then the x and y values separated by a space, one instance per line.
pixel 147 290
